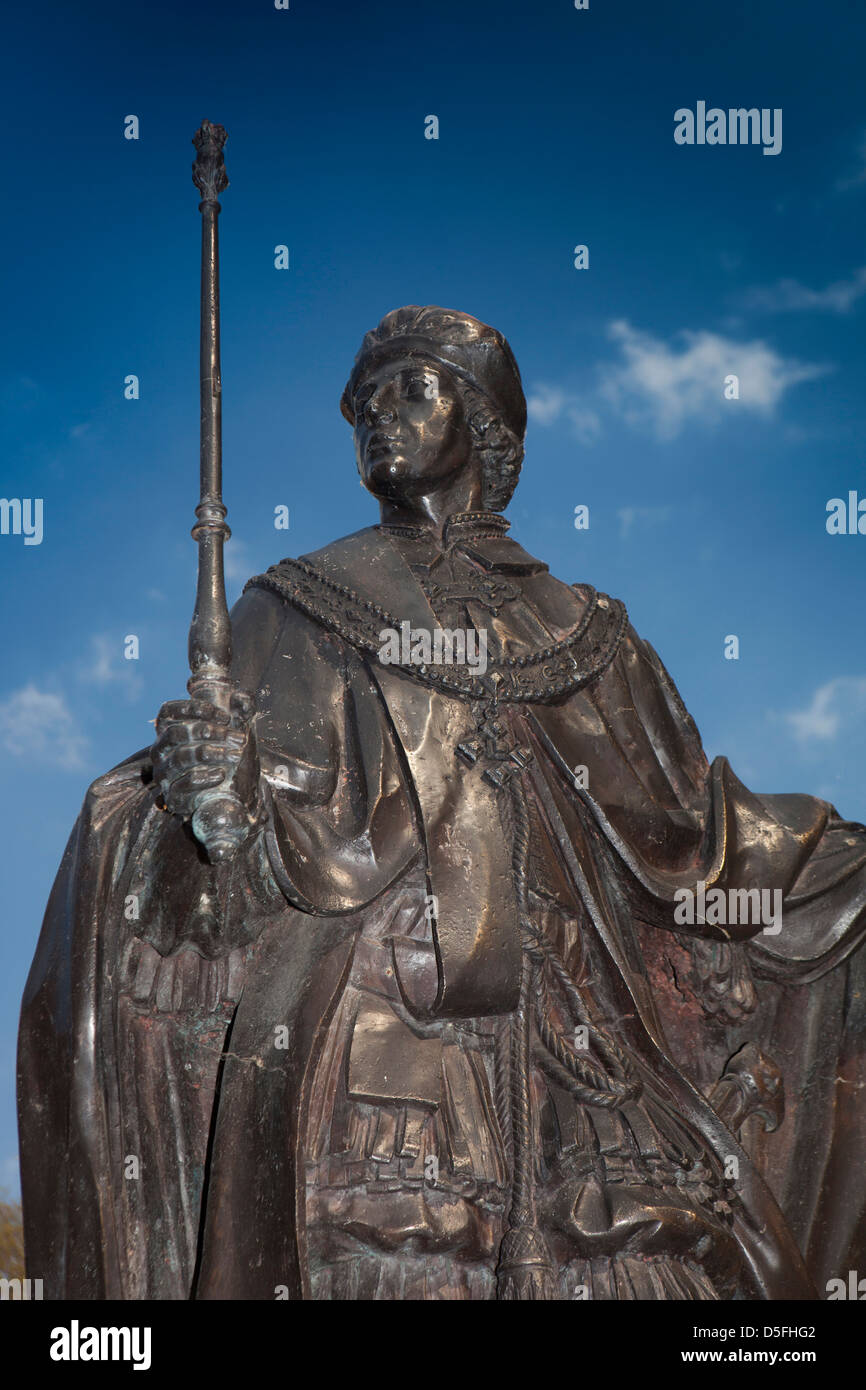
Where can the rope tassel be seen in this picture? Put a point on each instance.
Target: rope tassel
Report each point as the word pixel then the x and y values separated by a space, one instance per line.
pixel 525 1269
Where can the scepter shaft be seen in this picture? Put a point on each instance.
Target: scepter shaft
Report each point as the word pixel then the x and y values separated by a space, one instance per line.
pixel 220 821
pixel 210 647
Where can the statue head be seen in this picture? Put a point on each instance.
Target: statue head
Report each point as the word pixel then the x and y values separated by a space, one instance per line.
pixel 434 392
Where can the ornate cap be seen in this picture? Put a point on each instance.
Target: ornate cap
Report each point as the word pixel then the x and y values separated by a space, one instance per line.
pixel 472 350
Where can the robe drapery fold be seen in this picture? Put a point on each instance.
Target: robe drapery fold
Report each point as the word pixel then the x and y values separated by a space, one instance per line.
pixel 163 1112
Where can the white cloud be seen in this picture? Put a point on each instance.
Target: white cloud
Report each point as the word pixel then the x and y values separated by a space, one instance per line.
pixel 644 516
pixel 838 705
pixel 108 666
pixel 36 724
pixel 585 423
pixel 789 295
pixel 235 562
pixel 664 387
pixel 546 404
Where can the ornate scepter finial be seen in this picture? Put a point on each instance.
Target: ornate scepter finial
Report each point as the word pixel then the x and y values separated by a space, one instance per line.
pixel 209 170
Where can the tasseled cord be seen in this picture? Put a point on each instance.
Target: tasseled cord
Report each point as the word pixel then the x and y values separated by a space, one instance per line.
pixel 525 1268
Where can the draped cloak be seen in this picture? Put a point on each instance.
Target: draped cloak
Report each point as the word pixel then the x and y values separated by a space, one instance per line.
pixel 175 1011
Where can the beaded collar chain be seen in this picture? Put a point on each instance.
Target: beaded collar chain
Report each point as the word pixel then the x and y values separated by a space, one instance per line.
pixel 539 676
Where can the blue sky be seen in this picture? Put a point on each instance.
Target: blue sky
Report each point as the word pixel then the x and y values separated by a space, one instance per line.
pixel 707 516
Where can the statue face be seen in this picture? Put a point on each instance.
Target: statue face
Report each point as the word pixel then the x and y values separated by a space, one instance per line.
pixel 411 432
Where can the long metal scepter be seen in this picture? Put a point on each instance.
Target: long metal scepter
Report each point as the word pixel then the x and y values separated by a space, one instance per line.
pixel 220 821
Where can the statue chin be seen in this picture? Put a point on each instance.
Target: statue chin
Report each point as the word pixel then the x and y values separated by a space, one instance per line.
pixel 393 478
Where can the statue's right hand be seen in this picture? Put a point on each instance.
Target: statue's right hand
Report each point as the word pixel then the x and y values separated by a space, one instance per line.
pixel 199 746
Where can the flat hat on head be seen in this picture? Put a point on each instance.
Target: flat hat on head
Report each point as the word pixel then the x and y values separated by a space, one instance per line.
pixel 463 345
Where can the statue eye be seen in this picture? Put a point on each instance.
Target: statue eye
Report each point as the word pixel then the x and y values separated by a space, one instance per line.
pixel 423 388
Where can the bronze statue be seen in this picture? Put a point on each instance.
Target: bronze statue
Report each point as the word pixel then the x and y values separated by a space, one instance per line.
pixel 471 981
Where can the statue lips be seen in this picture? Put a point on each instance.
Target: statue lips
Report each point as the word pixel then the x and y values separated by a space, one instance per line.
pixel 381 444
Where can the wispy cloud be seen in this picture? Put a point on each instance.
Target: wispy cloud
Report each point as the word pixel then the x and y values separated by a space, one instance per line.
pixel 641 516
pixel 37 724
pixel 788 296
pixel 664 386
pixel 106 665
pixel 236 562
pixel 857 176
pixel 547 404
pixel 19 393
pixel 544 404
pixel 835 707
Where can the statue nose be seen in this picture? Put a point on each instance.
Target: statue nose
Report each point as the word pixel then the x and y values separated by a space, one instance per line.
pixel 379 413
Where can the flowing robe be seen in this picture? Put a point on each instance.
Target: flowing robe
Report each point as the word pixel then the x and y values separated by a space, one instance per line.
pixel 232 1079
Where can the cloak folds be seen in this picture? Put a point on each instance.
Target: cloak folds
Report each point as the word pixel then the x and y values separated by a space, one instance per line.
pixel 175 1011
